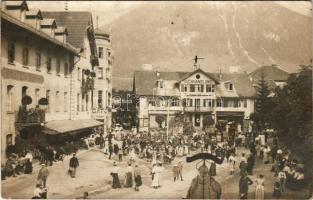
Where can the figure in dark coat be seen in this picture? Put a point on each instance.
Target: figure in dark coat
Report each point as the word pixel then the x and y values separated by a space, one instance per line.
pixel 250 164
pixel 244 183
pixel 213 169
pixel 73 165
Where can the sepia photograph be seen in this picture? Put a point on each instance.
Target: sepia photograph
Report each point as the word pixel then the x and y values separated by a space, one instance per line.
pixel 156 100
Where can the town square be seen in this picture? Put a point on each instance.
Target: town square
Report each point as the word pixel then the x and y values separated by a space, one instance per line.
pixel 156 100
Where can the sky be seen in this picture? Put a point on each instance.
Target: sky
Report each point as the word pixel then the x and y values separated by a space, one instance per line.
pixel 108 11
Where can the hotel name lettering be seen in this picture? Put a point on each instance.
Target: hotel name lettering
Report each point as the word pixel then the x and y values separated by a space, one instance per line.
pixel 197 81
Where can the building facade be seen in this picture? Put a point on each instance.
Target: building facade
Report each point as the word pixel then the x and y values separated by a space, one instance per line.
pixel 41 58
pixel 102 109
pixel 223 97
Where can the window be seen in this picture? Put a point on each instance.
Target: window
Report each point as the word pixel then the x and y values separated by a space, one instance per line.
pixel 48 98
pixel 49 59
pixel 186 88
pixel 245 103
pixel 202 87
pixel 100 52
pixel 65 69
pixel 82 103
pixel 9 98
pixel 57 101
pixel 37 95
pixel 182 87
pixel 65 102
pixel 236 103
pixel 38 61
pixel 100 103
pixel 9 139
pixel 78 99
pixel 11 53
pixel 24 91
pixel 174 102
pixel 213 88
pixel 192 88
pixel 58 67
pixel 219 103
pixel 190 102
pixel 205 102
pixel 25 57
pixel 230 87
pixel 208 88
pixel 100 73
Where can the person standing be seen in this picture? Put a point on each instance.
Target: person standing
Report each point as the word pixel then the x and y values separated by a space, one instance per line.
pixel 232 163
pixel 120 155
pixel 29 163
pixel 43 175
pixel 180 170
pixel 259 188
pixel 282 180
pixel 73 165
pixel 114 173
pixel 110 151
pixel 129 176
pixel 175 172
pixel 244 183
pixel 137 176
pixel 250 164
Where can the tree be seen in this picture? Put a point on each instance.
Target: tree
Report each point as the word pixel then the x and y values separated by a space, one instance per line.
pixel 291 115
pixel 263 105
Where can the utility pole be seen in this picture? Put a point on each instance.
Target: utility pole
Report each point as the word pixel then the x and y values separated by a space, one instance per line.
pixel 167 118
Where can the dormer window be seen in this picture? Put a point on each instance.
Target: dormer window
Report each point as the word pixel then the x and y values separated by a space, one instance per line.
pixel 230 86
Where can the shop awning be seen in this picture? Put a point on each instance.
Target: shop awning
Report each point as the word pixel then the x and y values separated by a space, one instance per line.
pixel 67 126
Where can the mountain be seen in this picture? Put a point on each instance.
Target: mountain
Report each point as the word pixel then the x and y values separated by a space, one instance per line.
pixel 247 34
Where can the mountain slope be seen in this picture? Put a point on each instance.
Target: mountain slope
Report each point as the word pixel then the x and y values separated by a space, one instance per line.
pixel 247 34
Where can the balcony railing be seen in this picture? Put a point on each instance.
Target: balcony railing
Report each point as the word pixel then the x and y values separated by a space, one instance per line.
pixel 29 117
pixel 198 109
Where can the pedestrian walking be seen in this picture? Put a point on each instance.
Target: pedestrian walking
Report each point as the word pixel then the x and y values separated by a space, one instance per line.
pixel 114 173
pixel 129 176
pixel 175 172
pixel 120 155
pixel 73 165
pixel 157 175
pixel 110 151
pixel 259 188
pixel 244 183
pixel 137 175
pixel 232 163
pixel 180 170
pixel 43 175
pixel 29 163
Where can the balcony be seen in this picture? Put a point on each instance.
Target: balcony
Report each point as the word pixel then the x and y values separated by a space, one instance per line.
pixel 30 117
pixel 164 108
pixel 198 109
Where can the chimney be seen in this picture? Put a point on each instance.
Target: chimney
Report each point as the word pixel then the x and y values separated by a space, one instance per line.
pixel 33 18
pixel 48 25
pixel 61 33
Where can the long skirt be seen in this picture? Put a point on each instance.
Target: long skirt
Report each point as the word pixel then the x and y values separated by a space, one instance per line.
pixel 129 180
pixel 138 181
pixel 259 192
pixel 28 167
pixel 116 181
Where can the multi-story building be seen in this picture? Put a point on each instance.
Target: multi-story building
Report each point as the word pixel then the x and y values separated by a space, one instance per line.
pixel 39 60
pixel 221 96
pixel 102 109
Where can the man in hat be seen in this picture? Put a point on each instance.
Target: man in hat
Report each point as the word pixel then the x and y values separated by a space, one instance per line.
pixel 43 175
pixel 73 165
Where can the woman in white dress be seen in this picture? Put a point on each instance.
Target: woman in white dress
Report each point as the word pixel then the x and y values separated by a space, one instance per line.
pixel 259 188
pixel 157 175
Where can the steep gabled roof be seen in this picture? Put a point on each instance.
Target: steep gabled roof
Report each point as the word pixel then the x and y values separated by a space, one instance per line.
pixel 34 13
pixel 16 4
pixel 48 22
pixel 271 74
pixel 199 71
pixel 76 23
pixel 61 30
pixel 145 81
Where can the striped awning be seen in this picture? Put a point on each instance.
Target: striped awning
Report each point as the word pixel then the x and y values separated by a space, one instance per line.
pixel 67 126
